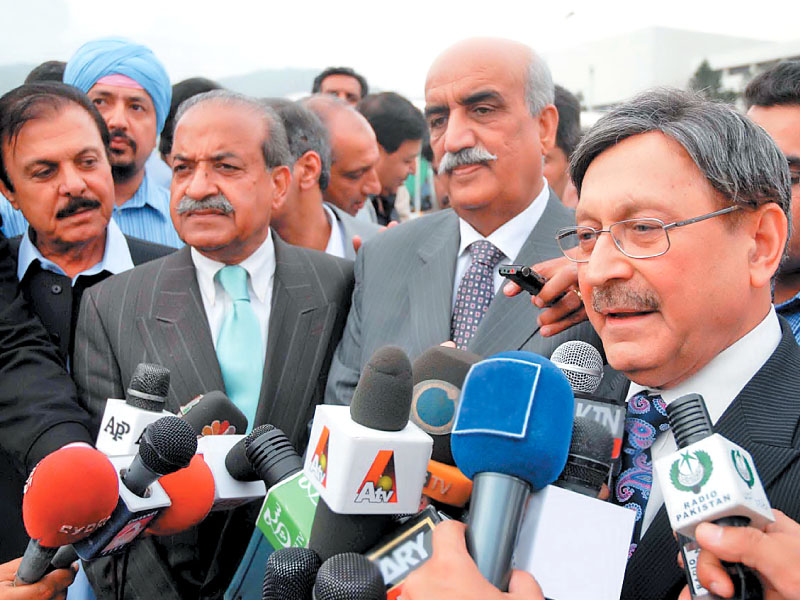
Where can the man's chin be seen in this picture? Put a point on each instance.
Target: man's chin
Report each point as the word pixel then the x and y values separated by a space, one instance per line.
pixel 123 171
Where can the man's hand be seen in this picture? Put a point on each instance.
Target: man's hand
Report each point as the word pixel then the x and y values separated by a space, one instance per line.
pixel 562 276
pixel 773 553
pixel 52 586
pixel 357 241
pixel 451 573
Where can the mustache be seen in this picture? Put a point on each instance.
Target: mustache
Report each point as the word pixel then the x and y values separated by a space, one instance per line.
pixel 119 133
pixel 617 295
pixel 77 203
pixel 465 156
pixel 218 202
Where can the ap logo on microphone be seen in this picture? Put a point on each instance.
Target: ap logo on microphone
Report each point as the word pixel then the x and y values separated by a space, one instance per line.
pixel 378 486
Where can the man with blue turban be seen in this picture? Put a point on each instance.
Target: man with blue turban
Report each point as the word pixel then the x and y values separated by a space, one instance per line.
pixel 131 89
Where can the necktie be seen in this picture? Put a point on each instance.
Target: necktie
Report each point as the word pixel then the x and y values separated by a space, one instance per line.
pixel 645 419
pixel 239 344
pixel 475 292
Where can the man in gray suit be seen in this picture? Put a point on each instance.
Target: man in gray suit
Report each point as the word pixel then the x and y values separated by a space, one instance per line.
pixel 489 106
pixel 304 219
pixel 237 309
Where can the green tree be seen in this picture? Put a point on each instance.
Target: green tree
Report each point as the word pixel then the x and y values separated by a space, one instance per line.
pixel 708 83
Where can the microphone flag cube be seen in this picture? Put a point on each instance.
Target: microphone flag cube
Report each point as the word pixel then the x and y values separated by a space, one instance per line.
pixel 288 512
pixel 228 492
pixel 710 479
pixel 122 426
pixel 360 470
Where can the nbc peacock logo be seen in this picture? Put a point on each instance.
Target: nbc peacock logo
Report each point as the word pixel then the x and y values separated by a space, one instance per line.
pixel 379 485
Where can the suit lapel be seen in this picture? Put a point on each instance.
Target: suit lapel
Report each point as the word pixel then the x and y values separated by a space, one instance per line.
pixel 177 334
pixel 300 322
pixel 510 322
pixel 430 287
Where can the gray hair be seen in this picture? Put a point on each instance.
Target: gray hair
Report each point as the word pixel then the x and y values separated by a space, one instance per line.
pixel 276 145
pixel 737 157
pixel 539 88
pixel 306 133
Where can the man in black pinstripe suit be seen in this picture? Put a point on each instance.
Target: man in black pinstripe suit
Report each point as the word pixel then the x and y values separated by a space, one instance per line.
pixel 230 158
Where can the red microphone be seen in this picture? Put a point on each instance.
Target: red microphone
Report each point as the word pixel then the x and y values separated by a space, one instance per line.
pixel 68 495
pixel 191 491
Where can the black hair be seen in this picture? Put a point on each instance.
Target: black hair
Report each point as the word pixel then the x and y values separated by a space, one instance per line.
pixel 32 101
pixel 394 119
pixel 776 86
pixel 568 133
pixel 51 70
pixel 183 90
pixel 317 85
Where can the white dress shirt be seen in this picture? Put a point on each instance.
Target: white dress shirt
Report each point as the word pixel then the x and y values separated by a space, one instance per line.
pixel 719 382
pixel 336 240
pixel 260 267
pixel 508 238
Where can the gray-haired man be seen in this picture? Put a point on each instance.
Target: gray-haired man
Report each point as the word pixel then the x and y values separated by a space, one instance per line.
pixel 489 106
pixel 681 224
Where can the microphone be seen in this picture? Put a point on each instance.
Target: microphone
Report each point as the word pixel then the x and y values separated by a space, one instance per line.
pixel 235 482
pixel 349 576
pixel 124 420
pixel 191 493
pixel 712 479
pixel 165 446
pixel 439 374
pixel 214 414
pixel 511 437
pixel 68 495
pixel 367 460
pixel 589 459
pixel 290 574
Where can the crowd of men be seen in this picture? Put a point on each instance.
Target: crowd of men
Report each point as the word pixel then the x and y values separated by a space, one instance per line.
pixel 257 251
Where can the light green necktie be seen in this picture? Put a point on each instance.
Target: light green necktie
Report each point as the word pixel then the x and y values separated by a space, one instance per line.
pixel 239 344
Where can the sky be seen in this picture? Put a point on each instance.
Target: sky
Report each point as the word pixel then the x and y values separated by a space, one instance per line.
pixel 392 44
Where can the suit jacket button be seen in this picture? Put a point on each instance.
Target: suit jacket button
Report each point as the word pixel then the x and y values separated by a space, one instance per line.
pixel 56 289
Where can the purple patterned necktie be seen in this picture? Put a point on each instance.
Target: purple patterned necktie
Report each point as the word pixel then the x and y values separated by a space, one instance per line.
pixel 475 292
pixel 646 418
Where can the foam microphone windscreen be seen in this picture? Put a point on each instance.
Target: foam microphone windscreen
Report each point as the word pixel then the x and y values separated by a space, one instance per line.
pixel 191 492
pixel 149 387
pixel 290 574
pixel 515 418
pixel 382 398
pixel 69 494
pixel 349 576
pixel 589 460
pixel 214 414
pixel 333 533
pixel 236 461
pixel 439 373
pixel 581 364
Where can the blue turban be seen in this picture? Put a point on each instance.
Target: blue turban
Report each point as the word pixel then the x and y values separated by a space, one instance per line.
pixel 108 56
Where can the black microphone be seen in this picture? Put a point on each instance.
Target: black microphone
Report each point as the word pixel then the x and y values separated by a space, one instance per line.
pixel 349 576
pixel 589 459
pixel 290 574
pixel 213 413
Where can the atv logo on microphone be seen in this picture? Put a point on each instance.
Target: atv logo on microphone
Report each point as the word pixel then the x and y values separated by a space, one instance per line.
pixel 319 461
pixel 378 486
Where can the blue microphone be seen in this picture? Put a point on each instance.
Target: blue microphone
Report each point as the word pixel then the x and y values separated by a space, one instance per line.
pixel 511 437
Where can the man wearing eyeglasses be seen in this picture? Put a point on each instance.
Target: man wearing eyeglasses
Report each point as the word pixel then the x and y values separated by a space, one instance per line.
pixel 773 101
pixel 681 225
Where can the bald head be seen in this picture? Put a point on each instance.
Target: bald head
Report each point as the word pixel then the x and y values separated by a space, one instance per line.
pixel 354 153
pixel 489 107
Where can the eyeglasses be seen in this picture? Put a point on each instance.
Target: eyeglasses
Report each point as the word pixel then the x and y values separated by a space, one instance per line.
pixel 635 238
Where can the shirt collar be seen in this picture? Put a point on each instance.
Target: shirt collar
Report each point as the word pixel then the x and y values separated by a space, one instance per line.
pixel 336 240
pixel 149 194
pixel 116 255
pixel 260 265
pixel 721 380
pixel 511 235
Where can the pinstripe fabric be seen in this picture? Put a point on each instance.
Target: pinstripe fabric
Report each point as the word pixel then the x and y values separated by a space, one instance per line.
pixel 145 216
pixel 765 420
pixel 154 313
pixel 403 296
